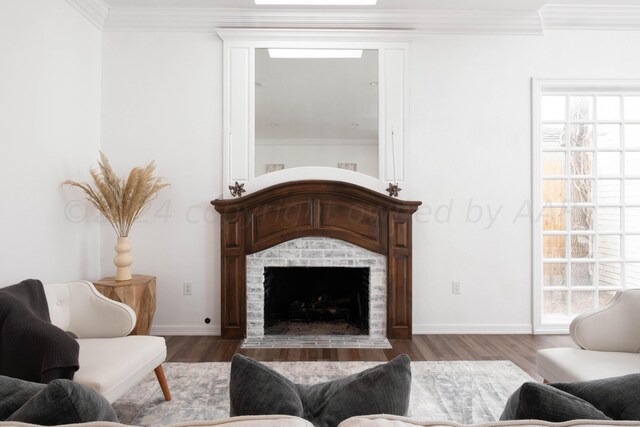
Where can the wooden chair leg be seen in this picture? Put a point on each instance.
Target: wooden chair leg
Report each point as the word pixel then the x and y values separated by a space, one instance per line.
pixel 163 382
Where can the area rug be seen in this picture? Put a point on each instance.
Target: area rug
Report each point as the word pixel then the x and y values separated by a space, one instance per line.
pixel 466 392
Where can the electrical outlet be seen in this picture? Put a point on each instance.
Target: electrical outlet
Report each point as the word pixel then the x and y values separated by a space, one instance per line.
pixel 455 288
pixel 186 288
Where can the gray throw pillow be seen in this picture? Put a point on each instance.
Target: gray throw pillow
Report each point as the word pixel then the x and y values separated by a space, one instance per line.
pixel 617 397
pixel 64 402
pixel 255 389
pixel 14 393
pixel 544 402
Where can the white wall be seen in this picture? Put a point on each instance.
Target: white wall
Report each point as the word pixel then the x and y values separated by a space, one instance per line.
pixel 470 143
pixel 162 101
pixel 471 146
pixel 50 71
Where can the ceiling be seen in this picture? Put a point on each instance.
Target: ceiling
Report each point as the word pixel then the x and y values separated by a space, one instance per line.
pixel 382 4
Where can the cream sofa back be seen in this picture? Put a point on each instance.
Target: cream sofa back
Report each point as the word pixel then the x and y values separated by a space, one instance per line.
pixel 365 421
pixel 249 421
pixel 394 421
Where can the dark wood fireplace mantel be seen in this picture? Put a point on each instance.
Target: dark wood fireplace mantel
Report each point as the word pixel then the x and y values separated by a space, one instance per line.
pixel 333 209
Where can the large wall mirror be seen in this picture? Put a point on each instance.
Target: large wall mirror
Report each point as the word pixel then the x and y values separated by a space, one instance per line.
pixel 314 104
pixel 316 108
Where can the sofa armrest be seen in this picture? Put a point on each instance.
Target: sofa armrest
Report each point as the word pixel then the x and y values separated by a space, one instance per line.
pixel 612 327
pixel 78 307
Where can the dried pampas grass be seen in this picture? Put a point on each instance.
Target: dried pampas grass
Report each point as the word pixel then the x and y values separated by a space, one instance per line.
pixel 120 201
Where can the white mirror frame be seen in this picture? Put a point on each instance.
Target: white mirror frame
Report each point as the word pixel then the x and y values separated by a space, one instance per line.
pixel 239 103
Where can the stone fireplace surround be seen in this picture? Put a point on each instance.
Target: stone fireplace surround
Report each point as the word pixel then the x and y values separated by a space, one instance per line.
pixel 313 208
pixel 317 252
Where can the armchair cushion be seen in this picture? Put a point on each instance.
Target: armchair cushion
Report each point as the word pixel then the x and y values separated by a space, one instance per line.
pixel 112 366
pixel 59 402
pixel 570 364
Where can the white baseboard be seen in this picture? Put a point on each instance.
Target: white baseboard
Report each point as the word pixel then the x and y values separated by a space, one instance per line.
pixel 558 330
pixel 437 328
pixel 473 328
pixel 171 330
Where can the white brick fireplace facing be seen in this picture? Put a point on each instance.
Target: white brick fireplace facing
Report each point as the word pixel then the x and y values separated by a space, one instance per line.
pixel 317 252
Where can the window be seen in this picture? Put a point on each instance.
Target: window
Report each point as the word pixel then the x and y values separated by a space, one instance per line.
pixel 586 196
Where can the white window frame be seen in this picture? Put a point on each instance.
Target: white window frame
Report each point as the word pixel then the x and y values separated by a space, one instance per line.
pixel 542 87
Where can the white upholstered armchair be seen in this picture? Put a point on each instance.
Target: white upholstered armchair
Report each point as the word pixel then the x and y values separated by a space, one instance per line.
pixel 111 362
pixel 609 341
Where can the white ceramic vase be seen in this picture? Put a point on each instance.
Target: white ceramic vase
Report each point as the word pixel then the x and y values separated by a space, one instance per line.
pixel 123 259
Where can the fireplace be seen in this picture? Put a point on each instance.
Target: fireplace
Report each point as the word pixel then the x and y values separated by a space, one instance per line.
pixel 319 267
pixel 281 217
pixel 316 301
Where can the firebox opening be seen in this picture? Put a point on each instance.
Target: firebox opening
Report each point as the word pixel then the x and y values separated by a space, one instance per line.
pixel 316 301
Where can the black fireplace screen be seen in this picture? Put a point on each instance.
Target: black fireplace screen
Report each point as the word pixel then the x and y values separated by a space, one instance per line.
pixel 316 301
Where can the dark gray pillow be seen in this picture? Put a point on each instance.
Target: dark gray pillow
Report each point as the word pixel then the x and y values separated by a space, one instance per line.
pixel 64 402
pixel 14 393
pixel 543 402
pixel 255 389
pixel 617 397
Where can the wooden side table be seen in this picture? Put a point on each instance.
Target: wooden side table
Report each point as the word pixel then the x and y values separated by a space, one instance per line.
pixel 139 293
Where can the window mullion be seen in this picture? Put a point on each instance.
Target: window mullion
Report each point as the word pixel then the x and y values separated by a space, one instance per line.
pixel 594 217
pixel 570 202
pixel 623 197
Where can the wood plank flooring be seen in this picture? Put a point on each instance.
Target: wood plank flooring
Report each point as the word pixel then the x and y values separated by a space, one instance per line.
pixel 520 349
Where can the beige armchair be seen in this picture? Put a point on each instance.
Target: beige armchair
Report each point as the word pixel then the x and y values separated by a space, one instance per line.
pixel 111 362
pixel 608 339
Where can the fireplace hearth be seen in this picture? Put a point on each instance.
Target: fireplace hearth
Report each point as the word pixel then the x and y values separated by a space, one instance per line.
pixel 316 301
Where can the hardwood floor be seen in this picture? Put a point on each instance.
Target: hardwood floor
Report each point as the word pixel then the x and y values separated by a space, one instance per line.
pixel 520 349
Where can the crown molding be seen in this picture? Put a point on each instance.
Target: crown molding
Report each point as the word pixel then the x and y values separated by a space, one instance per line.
pixel 516 22
pixel 418 21
pixel 480 22
pixel 96 11
pixel 589 17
